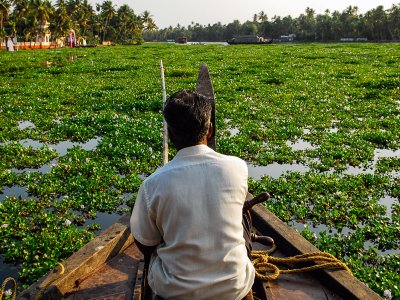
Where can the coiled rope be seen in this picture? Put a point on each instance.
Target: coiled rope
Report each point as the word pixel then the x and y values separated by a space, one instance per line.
pixel 41 291
pixel 3 287
pixel 266 269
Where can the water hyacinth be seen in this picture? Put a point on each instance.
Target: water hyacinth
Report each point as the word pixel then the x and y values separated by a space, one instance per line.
pixel 314 93
pixel 67 223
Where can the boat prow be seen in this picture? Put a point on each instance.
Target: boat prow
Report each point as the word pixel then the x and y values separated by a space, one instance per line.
pixel 249 39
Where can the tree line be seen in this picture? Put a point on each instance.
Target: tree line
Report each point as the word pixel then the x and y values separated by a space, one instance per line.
pixel 376 24
pixel 104 22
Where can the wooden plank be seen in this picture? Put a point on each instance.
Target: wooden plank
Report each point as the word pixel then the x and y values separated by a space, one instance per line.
pixel 204 87
pixel 292 243
pixel 115 278
pixel 108 244
pixel 137 292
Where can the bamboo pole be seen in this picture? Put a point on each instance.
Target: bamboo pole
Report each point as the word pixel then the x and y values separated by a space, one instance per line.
pixel 165 131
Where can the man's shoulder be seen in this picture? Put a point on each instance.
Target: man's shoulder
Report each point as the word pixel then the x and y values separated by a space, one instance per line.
pixel 155 174
pixel 211 157
pixel 230 158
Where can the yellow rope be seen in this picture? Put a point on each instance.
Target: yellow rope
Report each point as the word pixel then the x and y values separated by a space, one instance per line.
pixel 43 289
pixel 3 287
pixel 266 269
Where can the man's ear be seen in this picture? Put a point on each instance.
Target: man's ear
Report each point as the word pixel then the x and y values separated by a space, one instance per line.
pixel 210 131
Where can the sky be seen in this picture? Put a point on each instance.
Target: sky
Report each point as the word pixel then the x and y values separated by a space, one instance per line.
pixel 171 12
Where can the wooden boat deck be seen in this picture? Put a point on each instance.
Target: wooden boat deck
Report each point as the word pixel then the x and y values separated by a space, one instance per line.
pixel 118 278
pixel 114 279
pixel 110 267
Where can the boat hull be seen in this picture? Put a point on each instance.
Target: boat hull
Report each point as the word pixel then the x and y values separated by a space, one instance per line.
pixel 111 266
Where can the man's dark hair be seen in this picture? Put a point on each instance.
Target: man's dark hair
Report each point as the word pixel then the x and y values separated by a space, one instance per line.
pixel 188 116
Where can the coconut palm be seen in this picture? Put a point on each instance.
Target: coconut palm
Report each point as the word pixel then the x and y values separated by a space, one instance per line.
pixel 151 25
pixel 125 18
pixel 4 13
pixel 262 17
pixel 41 12
pixel 136 25
pixel 394 21
pixel 22 17
pixel 85 16
pixel 148 22
pixel 108 12
pixel 62 20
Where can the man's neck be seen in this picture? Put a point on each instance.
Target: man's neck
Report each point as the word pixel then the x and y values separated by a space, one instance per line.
pixel 203 141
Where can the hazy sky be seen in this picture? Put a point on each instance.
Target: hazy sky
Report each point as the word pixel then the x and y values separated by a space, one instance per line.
pixel 172 12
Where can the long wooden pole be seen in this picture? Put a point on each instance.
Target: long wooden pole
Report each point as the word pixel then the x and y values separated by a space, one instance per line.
pixel 146 293
pixel 165 131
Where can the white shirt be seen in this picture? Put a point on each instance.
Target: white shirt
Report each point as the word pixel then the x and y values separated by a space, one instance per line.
pixel 193 207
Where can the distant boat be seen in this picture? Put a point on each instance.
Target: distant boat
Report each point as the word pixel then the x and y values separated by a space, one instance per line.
pixel 182 40
pixel 248 39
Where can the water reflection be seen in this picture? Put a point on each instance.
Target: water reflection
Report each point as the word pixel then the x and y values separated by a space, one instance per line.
pixel 63 146
pixel 8 270
pixel 42 170
pixel 333 130
pixel 274 170
pixel 385 153
pixel 388 201
pixel 378 154
pixel 351 170
pixel 233 131
pixel 300 145
pixel 104 219
pixel 25 124
pixel 14 191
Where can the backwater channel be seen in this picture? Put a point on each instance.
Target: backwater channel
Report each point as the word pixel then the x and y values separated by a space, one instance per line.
pixel 273 170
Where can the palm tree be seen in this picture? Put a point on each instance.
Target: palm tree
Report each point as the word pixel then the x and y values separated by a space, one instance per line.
pixel 108 12
pixel 41 12
pixel 262 17
pixel 62 21
pixel 86 15
pixel 4 12
pixel 21 16
pixel 151 25
pixel 147 20
pixel 136 25
pixel 125 14
pixel 394 21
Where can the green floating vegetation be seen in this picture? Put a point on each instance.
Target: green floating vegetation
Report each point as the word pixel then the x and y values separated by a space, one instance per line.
pixel 329 108
pixel 14 155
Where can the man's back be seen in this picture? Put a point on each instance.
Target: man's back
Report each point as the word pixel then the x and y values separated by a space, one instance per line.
pixel 193 207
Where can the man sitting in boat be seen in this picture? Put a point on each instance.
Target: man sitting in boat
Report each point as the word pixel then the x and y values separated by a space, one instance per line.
pixel 188 214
